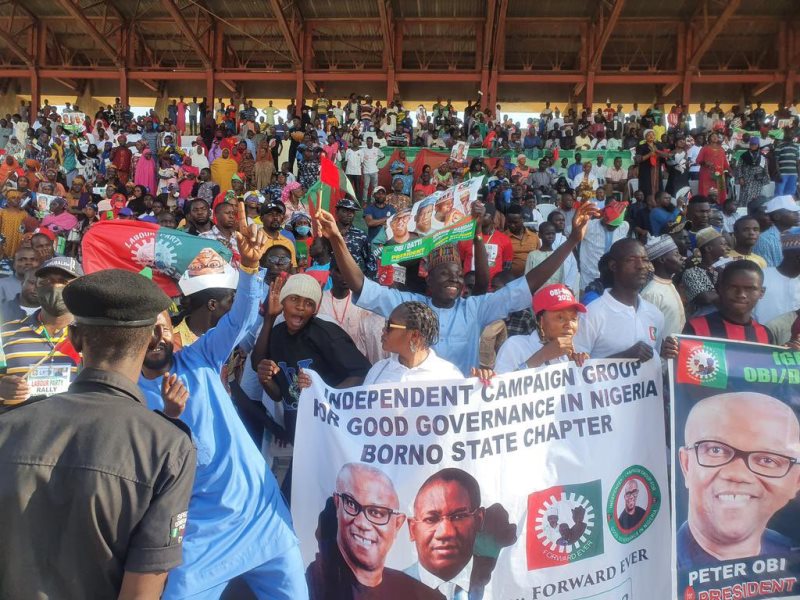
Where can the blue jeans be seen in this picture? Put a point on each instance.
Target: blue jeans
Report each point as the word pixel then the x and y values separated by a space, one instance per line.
pixel 787 185
pixel 282 578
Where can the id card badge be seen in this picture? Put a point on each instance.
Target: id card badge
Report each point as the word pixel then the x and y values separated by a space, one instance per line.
pixel 492 250
pixel 46 380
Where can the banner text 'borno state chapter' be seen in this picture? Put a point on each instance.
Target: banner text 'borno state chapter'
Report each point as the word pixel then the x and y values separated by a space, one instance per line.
pixel 736 445
pixel 547 484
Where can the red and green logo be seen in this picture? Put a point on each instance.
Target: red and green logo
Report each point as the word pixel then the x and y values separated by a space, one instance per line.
pixel 702 363
pixel 564 525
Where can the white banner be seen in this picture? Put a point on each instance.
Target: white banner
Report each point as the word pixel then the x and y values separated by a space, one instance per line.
pixel 547 484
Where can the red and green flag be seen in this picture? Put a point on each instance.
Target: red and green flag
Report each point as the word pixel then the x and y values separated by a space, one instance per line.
pixel 701 362
pixel 138 245
pixel 564 525
pixel 332 186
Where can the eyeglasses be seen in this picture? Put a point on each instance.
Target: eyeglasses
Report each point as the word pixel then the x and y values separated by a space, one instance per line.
pixel 433 520
pixel 713 454
pixel 278 260
pixel 377 515
pixel 389 326
pixel 632 494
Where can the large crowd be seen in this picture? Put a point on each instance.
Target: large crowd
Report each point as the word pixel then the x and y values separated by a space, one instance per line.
pixel 690 227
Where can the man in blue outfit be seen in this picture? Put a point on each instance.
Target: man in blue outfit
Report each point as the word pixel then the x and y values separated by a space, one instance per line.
pixel 238 522
pixel 461 320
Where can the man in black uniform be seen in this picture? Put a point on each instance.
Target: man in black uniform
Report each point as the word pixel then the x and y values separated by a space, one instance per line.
pixel 94 486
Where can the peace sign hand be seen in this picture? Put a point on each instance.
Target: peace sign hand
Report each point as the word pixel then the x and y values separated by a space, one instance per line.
pixel 252 240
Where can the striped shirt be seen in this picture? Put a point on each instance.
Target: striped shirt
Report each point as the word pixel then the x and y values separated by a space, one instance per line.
pixel 787 154
pixel 25 342
pixel 717 326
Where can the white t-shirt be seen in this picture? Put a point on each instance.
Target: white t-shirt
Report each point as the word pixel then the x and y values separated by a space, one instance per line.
pixel 433 368
pixel 369 159
pixel 609 327
pixel 781 295
pixel 515 352
pixel 353 159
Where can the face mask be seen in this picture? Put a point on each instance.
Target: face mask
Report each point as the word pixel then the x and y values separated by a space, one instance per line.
pixel 52 300
pixel 303 229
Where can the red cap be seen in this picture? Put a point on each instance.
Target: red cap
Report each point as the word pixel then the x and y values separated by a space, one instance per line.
pixel 47 233
pixel 555 297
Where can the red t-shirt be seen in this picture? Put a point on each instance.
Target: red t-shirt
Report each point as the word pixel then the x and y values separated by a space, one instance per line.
pixel 428 189
pixel 498 248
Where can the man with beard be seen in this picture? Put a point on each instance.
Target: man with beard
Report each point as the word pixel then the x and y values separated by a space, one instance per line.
pixel 351 562
pixel 272 216
pixel 198 216
pixel 32 340
pixel 240 524
pixel 622 324
pixel 23 304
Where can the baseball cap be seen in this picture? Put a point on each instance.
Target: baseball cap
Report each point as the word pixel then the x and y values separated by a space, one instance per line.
pixel 67 264
pixel 784 202
pixel 274 205
pixel 347 203
pixel 555 297
pixel 379 188
pixel 125 212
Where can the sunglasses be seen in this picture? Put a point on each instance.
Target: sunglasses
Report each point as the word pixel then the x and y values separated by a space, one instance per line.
pixel 388 326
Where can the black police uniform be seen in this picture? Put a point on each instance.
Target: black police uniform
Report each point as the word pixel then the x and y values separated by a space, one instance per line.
pixel 92 483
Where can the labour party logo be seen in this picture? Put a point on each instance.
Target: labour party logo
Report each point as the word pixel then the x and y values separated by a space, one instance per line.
pixel 633 503
pixel 564 525
pixel 142 246
pixel 702 363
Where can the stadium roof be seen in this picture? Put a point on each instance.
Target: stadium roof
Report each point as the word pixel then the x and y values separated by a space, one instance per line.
pixel 498 46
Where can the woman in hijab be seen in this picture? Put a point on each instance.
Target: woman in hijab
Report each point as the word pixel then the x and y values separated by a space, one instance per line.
pixel 649 156
pixel 14 222
pixel 223 169
pixel 292 197
pixel 199 155
pixel 264 167
pixel 14 148
pixel 248 166
pixel 751 172
pixel 146 171
pixel 59 221
pixel 187 176
pixel 8 166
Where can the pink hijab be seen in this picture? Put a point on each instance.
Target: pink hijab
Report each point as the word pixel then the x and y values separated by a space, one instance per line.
pixel 146 171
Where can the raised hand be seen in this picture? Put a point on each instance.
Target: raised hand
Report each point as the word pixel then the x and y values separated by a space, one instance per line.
pixel 585 212
pixel 267 369
pixel 252 240
pixel 174 394
pixel 327 224
pixel 274 307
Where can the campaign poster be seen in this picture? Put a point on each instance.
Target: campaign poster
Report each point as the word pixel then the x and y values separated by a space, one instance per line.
pixel 442 208
pixel 548 484
pixel 735 478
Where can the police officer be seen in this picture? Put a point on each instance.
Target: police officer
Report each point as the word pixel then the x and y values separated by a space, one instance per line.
pixel 94 487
